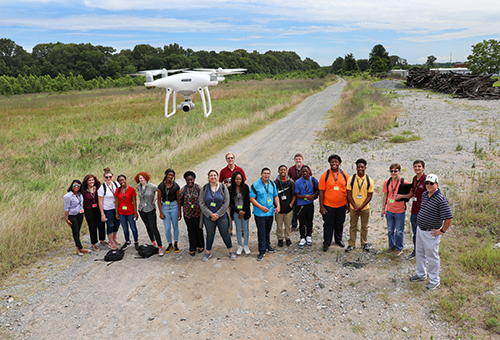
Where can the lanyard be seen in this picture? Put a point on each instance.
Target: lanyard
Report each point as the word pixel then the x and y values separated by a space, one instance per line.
pixel 79 200
pixel 266 188
pixel 418 185
pixel 359 186
pixel 213 193
pixel 392 186
pixel 336 178
pixel 306 184
pixel 123 195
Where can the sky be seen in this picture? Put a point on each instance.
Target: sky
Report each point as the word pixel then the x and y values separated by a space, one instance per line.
pixel 321 30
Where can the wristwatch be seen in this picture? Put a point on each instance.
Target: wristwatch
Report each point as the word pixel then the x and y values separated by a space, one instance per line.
pixel 441 230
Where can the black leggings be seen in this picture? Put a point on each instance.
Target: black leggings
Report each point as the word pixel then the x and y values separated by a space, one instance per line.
pixel 149 220
pixel 76 225
pixel 195 233
pixel 305 213
pixel 93 217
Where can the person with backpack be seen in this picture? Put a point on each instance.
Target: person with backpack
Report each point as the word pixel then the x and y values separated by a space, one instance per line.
pixel 359 194
pixel 394 211
pixel 264 197
pixel 214 205
pixel 168 204
pixel 286 195
pixel 126 211
pixel 147 209
pixel 73 214
pixel 189 199
pixel 294 173
pixel 333 202
pixel 306 191
pixel 106 196
pixel 239 204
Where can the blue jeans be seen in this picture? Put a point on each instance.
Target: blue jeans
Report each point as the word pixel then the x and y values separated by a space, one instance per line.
pixel 127 220
pixel 413 220
pixel 239 225
pixel 113 224
pixel 223 224
pixel 171 212
pixel 396 229
pixel 264 225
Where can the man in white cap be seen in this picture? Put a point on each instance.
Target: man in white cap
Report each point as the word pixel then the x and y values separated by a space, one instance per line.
pixel 433 220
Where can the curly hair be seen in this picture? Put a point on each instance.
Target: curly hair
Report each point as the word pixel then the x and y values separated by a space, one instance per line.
pixel 97 184
pixel 144 174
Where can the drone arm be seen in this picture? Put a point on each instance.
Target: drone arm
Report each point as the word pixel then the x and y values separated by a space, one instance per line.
pixel 167 96
pixel 201 89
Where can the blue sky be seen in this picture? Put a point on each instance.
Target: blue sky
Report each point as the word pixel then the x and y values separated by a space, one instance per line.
pixel 321 30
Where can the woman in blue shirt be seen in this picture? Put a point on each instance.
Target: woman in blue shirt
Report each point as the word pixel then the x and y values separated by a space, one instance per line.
pixel 214 204
pixel 73 213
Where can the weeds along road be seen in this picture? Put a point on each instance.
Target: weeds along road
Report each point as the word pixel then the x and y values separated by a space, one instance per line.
pixel 278 142
pixel 175 296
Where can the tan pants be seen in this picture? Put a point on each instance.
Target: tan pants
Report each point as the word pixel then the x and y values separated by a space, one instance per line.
pixel 285 219
pixel 365 216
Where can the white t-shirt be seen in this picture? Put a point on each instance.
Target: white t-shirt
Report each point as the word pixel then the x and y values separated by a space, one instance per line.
pixel 108 201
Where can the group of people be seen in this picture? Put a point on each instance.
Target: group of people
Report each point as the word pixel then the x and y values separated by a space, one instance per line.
pixel 289 200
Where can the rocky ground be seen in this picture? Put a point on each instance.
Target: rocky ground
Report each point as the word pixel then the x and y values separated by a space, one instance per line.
pixel 291 294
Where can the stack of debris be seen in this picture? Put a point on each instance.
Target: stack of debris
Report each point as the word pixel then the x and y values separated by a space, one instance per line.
pixel 472 86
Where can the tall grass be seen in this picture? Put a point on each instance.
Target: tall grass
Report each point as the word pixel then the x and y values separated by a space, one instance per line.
pixel 362 113
pixel 46 141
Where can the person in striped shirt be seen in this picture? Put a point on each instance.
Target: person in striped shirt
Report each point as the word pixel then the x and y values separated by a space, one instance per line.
pixel 433 220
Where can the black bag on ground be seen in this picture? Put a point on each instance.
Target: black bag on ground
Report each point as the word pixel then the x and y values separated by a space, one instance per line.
pixel 147 250
pixel 114 255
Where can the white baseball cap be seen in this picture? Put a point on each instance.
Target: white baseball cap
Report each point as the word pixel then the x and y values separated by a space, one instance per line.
pixel 431 178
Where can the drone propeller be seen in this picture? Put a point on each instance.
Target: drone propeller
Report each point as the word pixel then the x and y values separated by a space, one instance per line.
pixel 221 71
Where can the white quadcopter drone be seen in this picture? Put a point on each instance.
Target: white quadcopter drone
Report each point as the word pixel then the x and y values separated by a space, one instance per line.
pixel 187 83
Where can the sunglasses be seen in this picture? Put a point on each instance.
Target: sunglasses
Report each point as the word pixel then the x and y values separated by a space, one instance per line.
pixel 230 158
pixel 108 176
pixel 429 183
pixel 76 185
pixel 394 171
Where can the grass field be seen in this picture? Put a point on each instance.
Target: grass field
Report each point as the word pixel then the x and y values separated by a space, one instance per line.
pixel 47 140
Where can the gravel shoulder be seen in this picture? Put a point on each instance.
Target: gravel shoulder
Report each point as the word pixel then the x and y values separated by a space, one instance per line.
pixel 291 294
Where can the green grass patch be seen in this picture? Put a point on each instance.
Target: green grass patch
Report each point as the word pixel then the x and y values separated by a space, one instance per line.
pixel 362 113
pixel 48 140
pixel 404 137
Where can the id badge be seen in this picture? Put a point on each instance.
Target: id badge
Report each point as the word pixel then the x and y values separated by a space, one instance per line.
pixel 94 205
pixel 336 188
pixel 167 202
pixel 213 204
pixel 391 201
pixel 283 197
pixel 359 196
pixel 239 207
pixel 269 200
pixel 81 211
pixel 124 208
pixel 192 206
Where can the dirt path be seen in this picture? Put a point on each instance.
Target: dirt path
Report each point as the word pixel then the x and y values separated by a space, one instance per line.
pixel 291 294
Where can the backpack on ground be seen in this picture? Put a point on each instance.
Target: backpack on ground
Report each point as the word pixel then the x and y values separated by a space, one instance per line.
pixel 112 256
pixel 147 250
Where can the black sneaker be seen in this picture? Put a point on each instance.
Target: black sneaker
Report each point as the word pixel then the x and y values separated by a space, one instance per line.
pixel 411 256
pixel 325 248
pixel 126 245
pixel 260 256
pixel 365 248
pixel 136 245
pixel 169 248
pixel 280 243
pixel 349 249
pixel 271 250
pixel 288 242
pixel 176 248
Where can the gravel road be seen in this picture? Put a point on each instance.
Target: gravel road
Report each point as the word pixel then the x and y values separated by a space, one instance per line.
pixel 291 294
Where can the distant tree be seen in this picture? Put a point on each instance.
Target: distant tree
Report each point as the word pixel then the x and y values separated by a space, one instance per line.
pixel 16 59
pixel 350 66
pixel 337 65
pixel 379 59
pixel 430 61
pixel 398 62
pixel 363 64
pixel 485 57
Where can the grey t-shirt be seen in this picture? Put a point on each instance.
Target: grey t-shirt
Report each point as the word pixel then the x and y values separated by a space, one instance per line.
pixel 146 197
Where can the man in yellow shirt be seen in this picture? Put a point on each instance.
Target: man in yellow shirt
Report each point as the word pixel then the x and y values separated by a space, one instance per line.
pixel 359 195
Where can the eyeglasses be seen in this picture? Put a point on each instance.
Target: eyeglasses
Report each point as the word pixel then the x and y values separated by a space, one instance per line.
pixel 394 171
pixel 429 183
pixel 229 157
pixel 111 176
pixel 76 185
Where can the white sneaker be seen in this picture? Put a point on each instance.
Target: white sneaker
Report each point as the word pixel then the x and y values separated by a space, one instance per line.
pixel 247 250
pixel 302 243
pixel 309 241
pixel 239 250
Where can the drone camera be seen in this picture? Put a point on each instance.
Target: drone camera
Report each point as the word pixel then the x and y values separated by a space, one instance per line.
pixel 186 106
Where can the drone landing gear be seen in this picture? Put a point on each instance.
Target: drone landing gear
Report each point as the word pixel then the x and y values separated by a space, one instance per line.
pixel 202 90
pixel 188 105
pixel 167 96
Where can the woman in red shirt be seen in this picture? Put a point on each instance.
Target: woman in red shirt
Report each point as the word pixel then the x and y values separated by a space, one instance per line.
pixel 126 210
